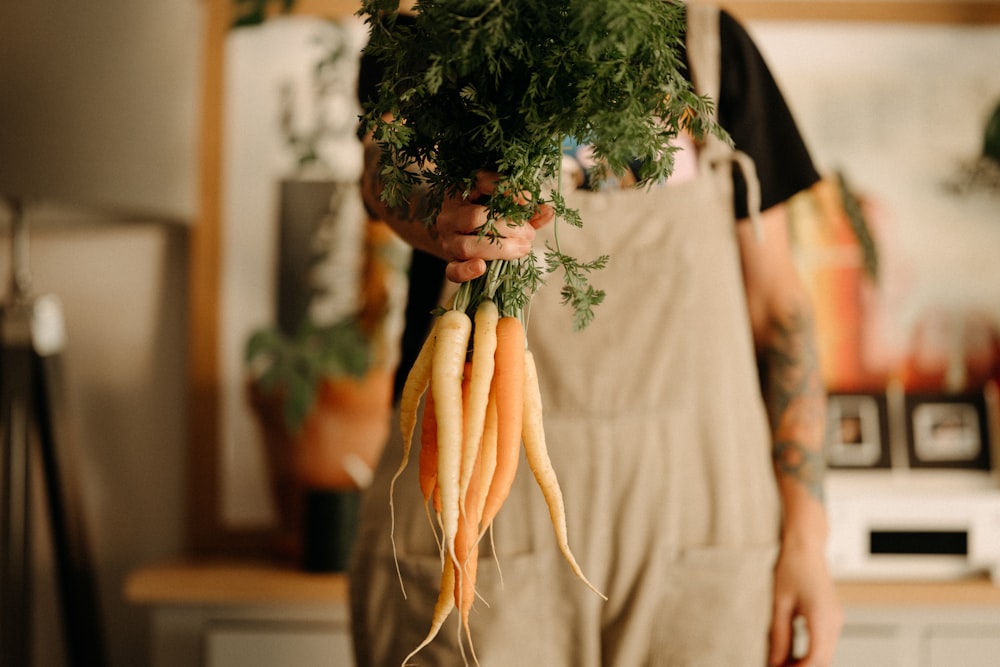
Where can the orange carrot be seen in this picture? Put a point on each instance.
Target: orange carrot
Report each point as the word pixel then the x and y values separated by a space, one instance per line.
pixel 508 391
pixel 537 454
pixel 427 464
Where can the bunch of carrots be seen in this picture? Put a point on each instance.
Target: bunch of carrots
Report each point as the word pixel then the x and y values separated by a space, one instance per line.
pixel 478 385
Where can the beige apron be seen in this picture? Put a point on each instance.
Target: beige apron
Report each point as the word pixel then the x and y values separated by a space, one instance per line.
pixel 658 435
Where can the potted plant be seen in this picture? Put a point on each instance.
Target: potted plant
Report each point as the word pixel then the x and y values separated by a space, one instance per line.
pixel 320 378
pixel 322 397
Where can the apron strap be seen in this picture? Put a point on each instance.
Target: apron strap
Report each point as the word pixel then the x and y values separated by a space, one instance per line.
pixel 704 51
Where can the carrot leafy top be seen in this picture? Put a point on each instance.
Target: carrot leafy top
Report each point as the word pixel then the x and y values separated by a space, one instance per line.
pixel 499 84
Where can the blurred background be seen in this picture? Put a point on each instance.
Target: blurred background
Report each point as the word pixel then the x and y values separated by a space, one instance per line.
pixel 148 144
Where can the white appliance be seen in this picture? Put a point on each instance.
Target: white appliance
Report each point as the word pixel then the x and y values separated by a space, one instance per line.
pixel 913 524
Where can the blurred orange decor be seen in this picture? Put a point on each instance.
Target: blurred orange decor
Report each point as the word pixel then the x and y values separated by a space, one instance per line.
pixel 848 260
pixel 952 352
pixel 840 267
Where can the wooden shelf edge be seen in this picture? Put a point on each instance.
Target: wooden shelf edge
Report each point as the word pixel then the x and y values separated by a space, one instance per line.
pixel 232 582
pixel 977 591
pixel 235 582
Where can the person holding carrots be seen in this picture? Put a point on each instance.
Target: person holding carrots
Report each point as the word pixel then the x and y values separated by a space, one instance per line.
pixel 685 423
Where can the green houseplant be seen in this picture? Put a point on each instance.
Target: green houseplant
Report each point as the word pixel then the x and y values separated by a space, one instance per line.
pixel 319 378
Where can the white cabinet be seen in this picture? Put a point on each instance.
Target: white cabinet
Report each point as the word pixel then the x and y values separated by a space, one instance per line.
pixel 944 624
pixel 968 645
pixel 862 645
pixel 260 615
pixel 243 615
pixel 240 635
pixel 255 644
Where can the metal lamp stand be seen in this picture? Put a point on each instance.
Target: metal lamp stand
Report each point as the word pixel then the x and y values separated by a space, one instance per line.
pixel 32 419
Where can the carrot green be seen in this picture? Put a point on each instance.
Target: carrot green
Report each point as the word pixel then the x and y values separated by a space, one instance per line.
pixel 499 84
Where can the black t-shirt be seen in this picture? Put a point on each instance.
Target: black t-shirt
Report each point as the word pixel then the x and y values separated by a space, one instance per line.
pixel 750 107
pixel 754 112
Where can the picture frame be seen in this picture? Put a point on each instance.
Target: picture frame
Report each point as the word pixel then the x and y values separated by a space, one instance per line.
pixel 948 431
pixel 858 431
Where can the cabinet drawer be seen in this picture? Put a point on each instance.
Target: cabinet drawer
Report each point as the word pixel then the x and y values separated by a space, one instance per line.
pixel 267 644
pixel 965 645
pixel 868 646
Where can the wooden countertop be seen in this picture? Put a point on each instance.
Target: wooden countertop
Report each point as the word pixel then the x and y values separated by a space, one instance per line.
pixel 232 582
pixel 249 582
pixel 978 591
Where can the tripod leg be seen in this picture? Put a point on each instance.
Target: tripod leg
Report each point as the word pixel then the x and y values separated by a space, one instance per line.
pixel 15 505
pixel 80 604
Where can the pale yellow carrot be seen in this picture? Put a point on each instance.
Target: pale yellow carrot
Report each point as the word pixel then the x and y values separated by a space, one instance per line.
pixel 487 467
pixel 537 454
pixel 484 343
pixel 447 370
pixel 488 453
pixel 467 551
pixel 417 381
pixel 442 608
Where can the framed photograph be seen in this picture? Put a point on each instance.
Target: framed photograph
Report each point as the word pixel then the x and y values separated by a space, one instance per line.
pixel 858 431
pixel 947 431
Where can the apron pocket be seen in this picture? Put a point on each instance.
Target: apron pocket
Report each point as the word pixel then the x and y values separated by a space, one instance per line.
pixel 716 609
pixel 514 619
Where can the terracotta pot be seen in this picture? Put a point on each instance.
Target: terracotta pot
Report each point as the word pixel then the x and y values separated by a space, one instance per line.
pixel 344 433
pixel 349 423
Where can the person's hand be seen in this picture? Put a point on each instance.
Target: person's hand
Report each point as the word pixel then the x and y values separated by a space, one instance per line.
pixel 467 252
pixel 803 588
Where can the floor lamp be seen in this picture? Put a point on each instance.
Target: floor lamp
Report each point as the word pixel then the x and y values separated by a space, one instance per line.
pixel 100 113
pixel 33 423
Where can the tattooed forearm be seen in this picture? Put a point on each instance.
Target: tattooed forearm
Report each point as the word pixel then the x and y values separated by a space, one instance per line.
pixel 796 400
pixel 805 465
pixel 792 366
